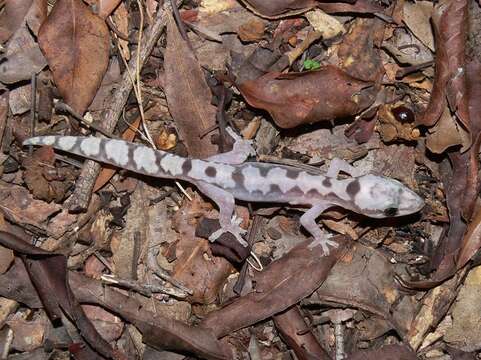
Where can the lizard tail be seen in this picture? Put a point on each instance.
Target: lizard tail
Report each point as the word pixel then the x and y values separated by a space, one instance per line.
pixel 127 155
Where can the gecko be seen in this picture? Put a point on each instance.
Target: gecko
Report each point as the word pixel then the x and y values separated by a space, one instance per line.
pixel 228 176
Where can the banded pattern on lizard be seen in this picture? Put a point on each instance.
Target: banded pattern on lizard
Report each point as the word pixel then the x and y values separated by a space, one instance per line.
pixel 226 177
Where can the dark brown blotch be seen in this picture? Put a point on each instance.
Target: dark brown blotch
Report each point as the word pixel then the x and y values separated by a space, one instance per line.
pixel 186 166
pixel 326 182
pixel 263 171
pixel 275 189
pixel 313 193
pixel 130 155
pixel 353 188
pixel 296 190
pixel 292 174
pixel 238 178
pixel 210 171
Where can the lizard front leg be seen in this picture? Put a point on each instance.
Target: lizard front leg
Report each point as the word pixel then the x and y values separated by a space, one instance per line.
pixel 337 165
pixel 241 150
pixel 227 219
pixel 308 220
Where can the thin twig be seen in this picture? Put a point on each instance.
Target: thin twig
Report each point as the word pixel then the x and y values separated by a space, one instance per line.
pixel 144 289
pixel 60 106
pixel 114 28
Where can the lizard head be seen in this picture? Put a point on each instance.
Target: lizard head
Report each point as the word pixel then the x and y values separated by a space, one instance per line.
pixel 381 197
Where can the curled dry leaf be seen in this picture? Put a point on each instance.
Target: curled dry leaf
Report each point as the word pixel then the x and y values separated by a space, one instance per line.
pixel 300 98
pixel 450 21
pixel 76 45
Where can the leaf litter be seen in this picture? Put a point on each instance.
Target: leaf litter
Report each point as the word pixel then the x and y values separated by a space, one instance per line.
pixel 391 87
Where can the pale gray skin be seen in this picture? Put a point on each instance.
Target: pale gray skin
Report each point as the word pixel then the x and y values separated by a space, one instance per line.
pixel 226 177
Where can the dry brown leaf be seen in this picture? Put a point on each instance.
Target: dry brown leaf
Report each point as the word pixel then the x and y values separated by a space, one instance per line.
pixel 188 95
pixel 19 207
pixel 109 326
pixel 447 133
pixel 12 17
pixel 107 6
pixel 359 51
pixel 417 16
pixel 252 30
pixel 195 266
pixel 328 26
pixel 76 45
pixel 282 284
pixel 45 181
pixel 279 8
pixel 29 334
pixel 450 26
pixel 296 98
pixel 23 58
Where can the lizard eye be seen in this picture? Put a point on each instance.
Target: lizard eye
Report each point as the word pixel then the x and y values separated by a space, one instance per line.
pixel 392 211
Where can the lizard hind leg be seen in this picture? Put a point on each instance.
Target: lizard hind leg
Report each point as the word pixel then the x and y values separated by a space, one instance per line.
pixel 308 220
pixel 229 223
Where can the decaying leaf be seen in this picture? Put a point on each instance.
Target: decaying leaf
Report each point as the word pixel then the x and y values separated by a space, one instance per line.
pixel 252 30
pixel 76 45
pixel 48 271
pixel 447 133
pixel 43 179
pixel 450 21
pixel 359 51
pixel 292 328
pixel 328 26
pixel 196 267
pixel 121 20
pixel 105 7
pixel 416 17
pixel 278 287
pixel 274 8
pixel 300 98
pixel 23 58
pixel 12 17
pixel 188 95
pixel 19 206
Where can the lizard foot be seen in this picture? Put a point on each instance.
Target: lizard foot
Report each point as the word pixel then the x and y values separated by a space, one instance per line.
pixel 325 243
pixel 232 228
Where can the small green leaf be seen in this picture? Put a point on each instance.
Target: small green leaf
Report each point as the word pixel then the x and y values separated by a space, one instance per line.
pixel 311 64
